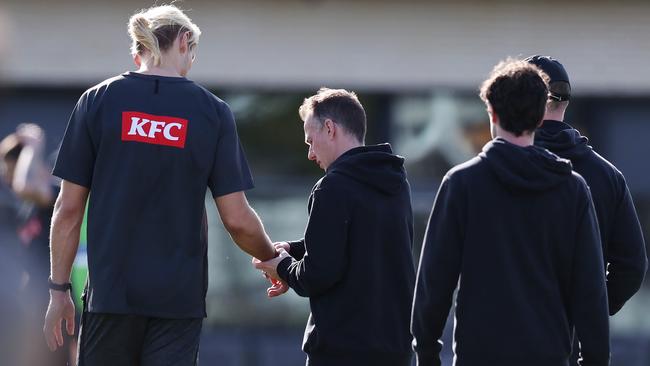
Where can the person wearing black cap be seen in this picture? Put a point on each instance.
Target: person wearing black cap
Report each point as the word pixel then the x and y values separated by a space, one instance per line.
pixel 622 240
pixel 515 230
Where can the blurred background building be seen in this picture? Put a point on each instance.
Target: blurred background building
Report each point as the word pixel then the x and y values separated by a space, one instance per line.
pixel 416 66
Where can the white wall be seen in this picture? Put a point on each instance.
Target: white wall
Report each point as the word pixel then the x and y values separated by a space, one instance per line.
pixel 605 45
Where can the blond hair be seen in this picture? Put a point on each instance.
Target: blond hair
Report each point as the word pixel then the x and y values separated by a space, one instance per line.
pixel 155 30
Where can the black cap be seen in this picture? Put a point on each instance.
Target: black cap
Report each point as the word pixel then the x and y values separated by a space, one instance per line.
pixel 555 71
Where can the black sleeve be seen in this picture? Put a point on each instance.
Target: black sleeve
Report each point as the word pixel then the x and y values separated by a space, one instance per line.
pixel 76 160
pixel 438 273
pixel 589 295
pixel 325 258
pixel 626 254
pixel 297 248
pixel 230 172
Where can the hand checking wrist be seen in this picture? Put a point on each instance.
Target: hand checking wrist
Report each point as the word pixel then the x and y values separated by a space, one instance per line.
pixel 270 267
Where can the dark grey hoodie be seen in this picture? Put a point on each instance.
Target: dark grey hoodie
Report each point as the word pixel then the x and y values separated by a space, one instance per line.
pixel 620 231
pixel 518 228
pixel 355 262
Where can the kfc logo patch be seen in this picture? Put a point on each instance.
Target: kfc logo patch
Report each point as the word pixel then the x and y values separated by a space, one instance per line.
pixel 151 129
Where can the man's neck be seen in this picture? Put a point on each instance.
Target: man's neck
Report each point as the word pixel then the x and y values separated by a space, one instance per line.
pixel 557 115
pixel 162 70
pixel 347 145
pixel 526 139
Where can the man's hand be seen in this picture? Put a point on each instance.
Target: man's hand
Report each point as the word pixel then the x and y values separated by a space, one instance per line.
pixel 61 307
pixel 277 288
pixel 269 268
pixel 281 245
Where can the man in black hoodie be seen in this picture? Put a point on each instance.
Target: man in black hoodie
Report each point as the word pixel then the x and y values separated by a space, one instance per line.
pixel 623 245
pixel 354 262
pixel 518 228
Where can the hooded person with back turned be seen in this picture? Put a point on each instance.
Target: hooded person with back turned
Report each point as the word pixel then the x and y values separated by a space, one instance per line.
pixel 624 249
pixel 514 229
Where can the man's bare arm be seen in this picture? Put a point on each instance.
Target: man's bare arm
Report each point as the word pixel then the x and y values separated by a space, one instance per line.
pixel 64 242
pixel 244 226
pixel 66 225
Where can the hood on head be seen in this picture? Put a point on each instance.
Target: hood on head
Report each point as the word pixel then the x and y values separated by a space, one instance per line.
pixel 526 168
pixel 375 166
pixel 562 139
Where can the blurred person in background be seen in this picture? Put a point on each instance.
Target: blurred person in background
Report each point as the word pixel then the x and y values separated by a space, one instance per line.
pixel 11 311
pixel 355 261
pixel 28 176
pixel 145 146
pixel 10 271
pixel 624 248
pixel 517 227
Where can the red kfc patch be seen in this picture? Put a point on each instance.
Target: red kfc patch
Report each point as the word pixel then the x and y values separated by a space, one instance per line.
pixel 151 129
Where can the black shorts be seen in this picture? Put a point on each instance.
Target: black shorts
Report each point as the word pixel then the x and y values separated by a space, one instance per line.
pixel 131 340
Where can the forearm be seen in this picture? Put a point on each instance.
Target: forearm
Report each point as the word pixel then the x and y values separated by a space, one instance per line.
pixel 244 226
pixel 626 256
pixel 249 235
pixel 431 305
pixel 427 327
pixel 622 284
pixel 289 271
pixel 64 242
pixel 437 276
pixel 297 248
pixel 317 271
pixel 589 295
pixel 323 265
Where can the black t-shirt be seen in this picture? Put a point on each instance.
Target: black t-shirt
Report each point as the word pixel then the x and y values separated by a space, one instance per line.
pixel 148 147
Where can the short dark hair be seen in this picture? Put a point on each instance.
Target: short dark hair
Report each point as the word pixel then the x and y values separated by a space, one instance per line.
pixel 517 92
pixel 339 105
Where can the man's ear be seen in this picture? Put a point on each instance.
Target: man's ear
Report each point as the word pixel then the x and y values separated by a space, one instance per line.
pixel 330 127
pixel 494 118
pixel 183 44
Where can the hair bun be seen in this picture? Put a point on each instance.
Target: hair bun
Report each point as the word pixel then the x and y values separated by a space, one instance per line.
pixel 155 29
pixel 139 21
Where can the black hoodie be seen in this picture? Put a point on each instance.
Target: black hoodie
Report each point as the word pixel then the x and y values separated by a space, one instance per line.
pixel 518 228
pixel 620 231
pixel 355 262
